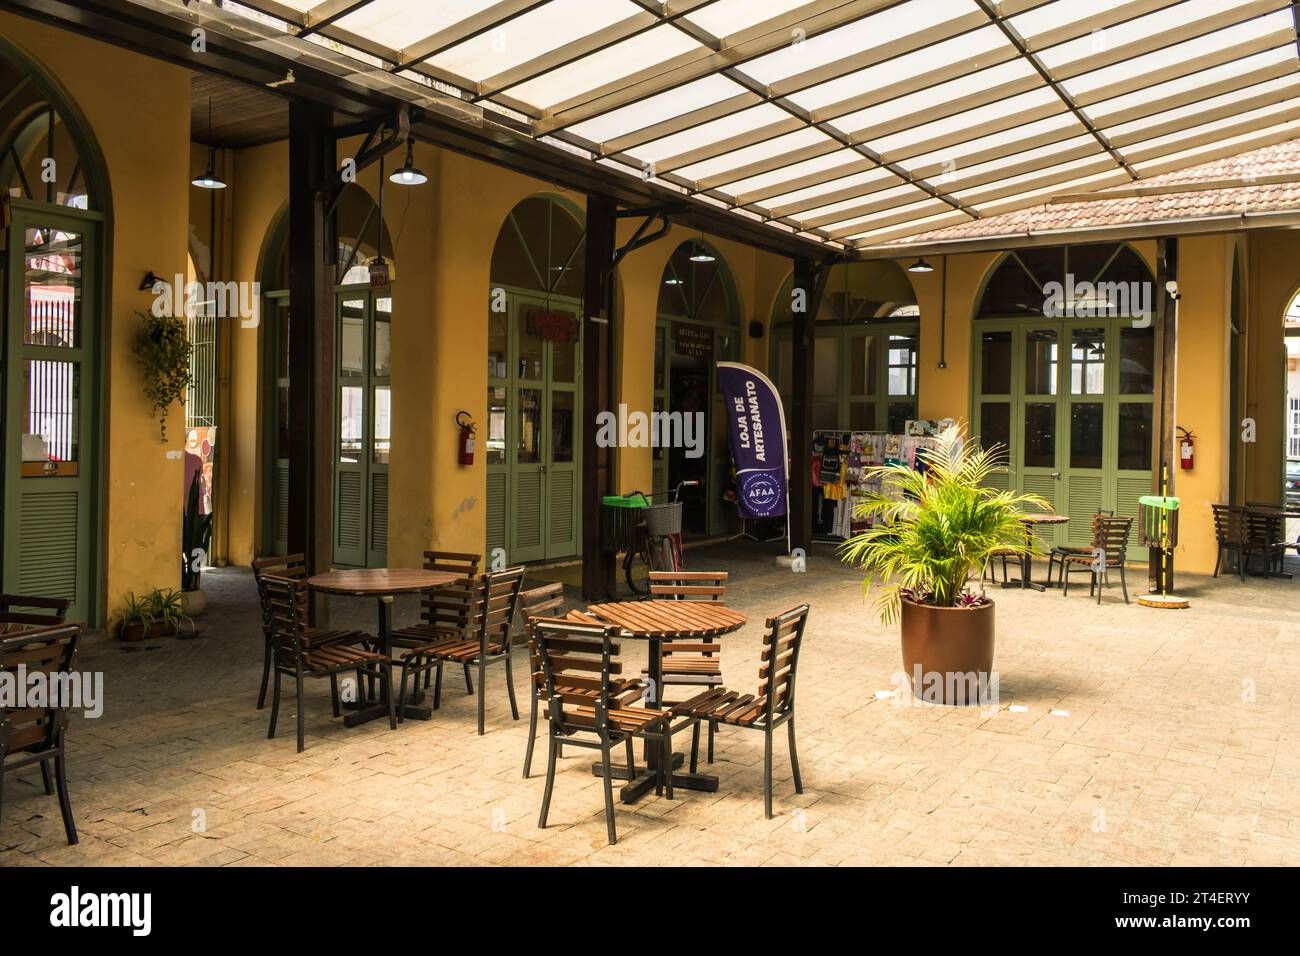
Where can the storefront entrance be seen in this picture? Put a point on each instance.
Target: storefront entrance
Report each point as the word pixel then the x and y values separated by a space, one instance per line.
pixel 1070 398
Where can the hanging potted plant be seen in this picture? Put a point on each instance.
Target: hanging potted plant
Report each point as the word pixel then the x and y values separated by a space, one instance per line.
pixel 163 350
pixel 932 529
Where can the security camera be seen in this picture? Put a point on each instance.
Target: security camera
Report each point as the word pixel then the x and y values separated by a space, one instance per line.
pixel 1172 288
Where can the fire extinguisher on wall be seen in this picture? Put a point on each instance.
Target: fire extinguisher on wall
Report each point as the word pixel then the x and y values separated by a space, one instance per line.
pixel 1186 450
pixel 466 443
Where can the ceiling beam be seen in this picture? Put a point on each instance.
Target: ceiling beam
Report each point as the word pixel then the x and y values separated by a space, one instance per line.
pixel 490 18
pixel 324 14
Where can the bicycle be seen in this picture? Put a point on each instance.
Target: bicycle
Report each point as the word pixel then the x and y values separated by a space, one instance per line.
pixel 659 544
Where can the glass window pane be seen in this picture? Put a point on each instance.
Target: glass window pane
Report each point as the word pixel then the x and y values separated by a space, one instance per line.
pixel 995 363
pixel 351 437
pixel 498 342
pixel 528 448
pixel 899 415
pixel 496 432
pixel 282 421
pixel 902 364
pixel 51 392
pixel 564 361
pixel 53 266
pixel 826 368
pixel 282 340
pixel 784 366
pixel 352 343
pixel 562 426
pixel 661 334
pixel 1135 436
pixel 1087 361
pixel 1040 435
pixel 383 347
pixel 530 347
pixel 995 426
pixel 826 414
pixel 1041 361
pixel 862 365
pixel 383 424
pixel 862 416
pixel 1137 361
pixel 1086 440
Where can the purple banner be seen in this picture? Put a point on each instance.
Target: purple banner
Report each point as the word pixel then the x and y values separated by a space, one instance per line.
pixel 757 440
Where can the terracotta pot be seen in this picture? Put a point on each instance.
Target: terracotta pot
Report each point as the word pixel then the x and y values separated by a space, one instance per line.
pixel 194 602
pixel 138 631
pixel 948 652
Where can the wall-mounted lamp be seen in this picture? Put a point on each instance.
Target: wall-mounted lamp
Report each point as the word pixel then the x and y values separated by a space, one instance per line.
pixel 150 282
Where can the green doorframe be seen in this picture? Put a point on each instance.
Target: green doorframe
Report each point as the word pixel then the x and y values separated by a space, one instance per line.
pixel 867 408
pixel 1043 402
pixel 534 481
pixel 57 553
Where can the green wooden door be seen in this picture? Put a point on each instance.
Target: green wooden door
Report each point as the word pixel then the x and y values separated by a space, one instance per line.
pixel 49 392
pixel 1072 401
pixel 532 443
pixel 364 427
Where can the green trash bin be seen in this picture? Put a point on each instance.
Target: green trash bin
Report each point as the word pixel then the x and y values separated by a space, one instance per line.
pixel 1153 512
pixel 623 520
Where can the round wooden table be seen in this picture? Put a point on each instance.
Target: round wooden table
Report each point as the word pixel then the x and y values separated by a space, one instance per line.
pixel 1031 521
pixel 382 584
pixel 656 622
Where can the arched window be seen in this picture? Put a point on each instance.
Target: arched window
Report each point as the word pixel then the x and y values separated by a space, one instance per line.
pixel 867 352
pixel 697 285
pixel 1024 283
pixel 540 248
pixel 39 157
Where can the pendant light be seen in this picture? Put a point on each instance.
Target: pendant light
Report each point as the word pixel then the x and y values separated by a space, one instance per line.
pixel 408 175
pixel 701 253
pixel 210 179
pixel 920 265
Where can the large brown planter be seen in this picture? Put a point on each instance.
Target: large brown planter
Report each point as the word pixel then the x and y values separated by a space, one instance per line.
pixel 948 652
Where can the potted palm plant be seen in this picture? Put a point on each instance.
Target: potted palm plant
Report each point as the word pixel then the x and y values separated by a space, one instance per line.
pixel 932 529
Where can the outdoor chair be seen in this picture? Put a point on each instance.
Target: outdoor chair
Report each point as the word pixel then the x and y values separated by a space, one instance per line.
pixel 297 655
pixel 695 662
pixel 38 735
pixel 1110 535
pixel 579 680
pixel 769 708
pixel 1059 553
pixel 1263 535
pixel 538 604
pixel 1004 554
pixel 444 611
pixel 1229 528
pixel 293 567
pixel 18 612
pixel 494 603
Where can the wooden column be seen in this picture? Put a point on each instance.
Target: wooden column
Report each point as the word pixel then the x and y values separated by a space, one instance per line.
pixel 598 577
pixel 806 294
pixel 311 336
pixel 1166 362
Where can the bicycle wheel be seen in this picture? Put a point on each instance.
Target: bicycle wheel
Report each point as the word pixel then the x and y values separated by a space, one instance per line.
pixel 635 571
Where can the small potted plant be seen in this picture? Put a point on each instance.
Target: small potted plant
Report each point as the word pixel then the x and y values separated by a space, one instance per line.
pixel 157 614
pixel 932 529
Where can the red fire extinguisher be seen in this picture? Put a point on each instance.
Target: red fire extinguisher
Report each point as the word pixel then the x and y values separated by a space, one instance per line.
pixel 466 443
pixel 1186 450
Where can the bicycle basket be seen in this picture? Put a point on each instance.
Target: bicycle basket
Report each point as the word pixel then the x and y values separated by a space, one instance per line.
pixel 663 519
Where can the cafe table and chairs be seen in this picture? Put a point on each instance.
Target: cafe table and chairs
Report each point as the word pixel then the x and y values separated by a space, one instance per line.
pixel 1033 520
pixel 382 585
pixel 657 622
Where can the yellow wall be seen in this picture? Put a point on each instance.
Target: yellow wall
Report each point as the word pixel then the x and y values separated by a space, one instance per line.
pixel 140 122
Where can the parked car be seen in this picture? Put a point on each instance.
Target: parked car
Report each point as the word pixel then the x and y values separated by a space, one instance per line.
pixel 1293 482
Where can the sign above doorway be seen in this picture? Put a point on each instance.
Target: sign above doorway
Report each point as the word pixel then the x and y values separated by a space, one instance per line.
pixel 692 341
pixel 553 326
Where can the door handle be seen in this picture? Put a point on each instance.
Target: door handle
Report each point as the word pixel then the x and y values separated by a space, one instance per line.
pixel 1056 475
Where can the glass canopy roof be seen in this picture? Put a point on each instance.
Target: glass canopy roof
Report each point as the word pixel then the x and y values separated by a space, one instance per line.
pixel 854 122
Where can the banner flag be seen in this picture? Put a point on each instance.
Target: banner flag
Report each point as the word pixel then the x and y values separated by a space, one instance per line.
pixel 757 440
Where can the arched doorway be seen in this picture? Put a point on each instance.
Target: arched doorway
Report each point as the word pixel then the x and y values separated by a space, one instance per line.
pixel 534 402
pixel 1063 376
pixel 698 326
pixel 51 290
pixel 363 394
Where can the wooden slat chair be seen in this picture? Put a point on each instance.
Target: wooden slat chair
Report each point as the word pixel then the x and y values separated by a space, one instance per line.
pixel 38 735
pixel 1061 550
pixel 691 661
pixel 19 612
pixel 293 567
pixel 579 680
pixel 444 611
pixel 546 602
pixel 284 604
pixel 495 603
pixel 1004 554
pixel 769 708
pixel 1263 535
pixel 1111 536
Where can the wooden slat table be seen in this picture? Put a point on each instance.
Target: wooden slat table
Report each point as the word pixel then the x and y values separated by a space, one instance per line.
pixel 382 584
pixel 655 622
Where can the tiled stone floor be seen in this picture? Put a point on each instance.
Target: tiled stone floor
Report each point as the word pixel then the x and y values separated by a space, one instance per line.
pixel 1175 743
